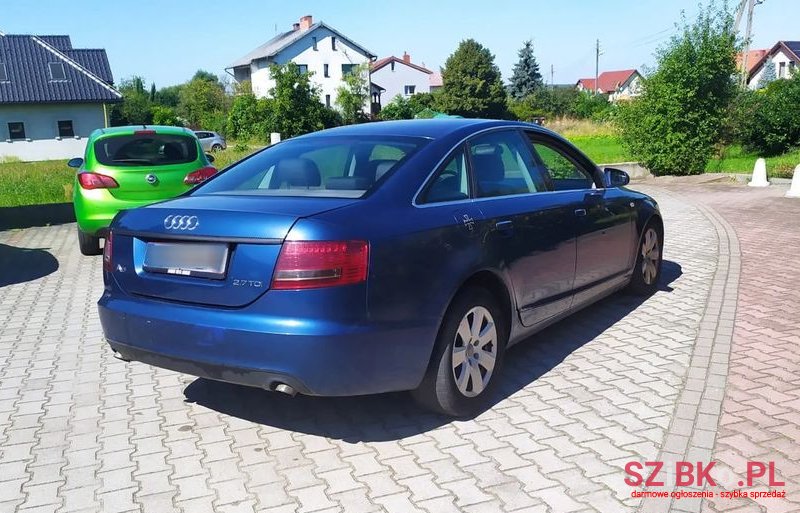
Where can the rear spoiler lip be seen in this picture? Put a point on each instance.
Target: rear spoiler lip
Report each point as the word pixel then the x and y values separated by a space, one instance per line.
pixel 197 238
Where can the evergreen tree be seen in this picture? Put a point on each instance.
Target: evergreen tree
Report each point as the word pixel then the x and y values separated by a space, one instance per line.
pixel 471 83
pixel 768 75
pixel 526 78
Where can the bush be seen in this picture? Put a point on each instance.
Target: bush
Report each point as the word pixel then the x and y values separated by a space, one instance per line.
pixel 165 116
pixel 398 108
pixel 673 126
pixel 768 121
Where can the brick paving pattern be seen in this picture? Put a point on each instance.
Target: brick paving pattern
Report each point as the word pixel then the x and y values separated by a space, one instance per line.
pixel 760 418
pixel 81 431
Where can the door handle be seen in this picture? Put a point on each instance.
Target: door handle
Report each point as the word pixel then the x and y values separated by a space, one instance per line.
pixel 580 212
pixel 504 226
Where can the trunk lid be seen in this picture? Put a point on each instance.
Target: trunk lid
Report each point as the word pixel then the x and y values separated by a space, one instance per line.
pixel 242 235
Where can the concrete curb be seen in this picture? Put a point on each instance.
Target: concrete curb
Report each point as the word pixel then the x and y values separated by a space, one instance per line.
pixel 693 430
pixel 36 215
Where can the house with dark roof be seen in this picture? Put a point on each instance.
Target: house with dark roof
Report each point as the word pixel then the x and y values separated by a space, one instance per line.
pixel 618 85
pixel 400 77
pixel 315 47
pixel 784 56
pixel 52 96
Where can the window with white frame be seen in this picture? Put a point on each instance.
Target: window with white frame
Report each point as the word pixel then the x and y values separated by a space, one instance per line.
pixel 409 90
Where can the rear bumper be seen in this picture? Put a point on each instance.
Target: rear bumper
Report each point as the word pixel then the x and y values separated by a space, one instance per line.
pixel 96 208
pixel 247 347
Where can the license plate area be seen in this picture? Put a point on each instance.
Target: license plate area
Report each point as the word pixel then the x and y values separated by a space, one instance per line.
pixel 195 259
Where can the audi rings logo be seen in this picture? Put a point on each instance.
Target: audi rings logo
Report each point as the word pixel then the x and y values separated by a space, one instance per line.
pixel 174 222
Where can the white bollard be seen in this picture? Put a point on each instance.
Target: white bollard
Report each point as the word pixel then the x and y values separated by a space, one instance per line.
pixel 274 138
pixel 794 190
pixel 759 178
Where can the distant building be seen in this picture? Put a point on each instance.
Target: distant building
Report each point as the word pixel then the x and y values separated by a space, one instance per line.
pixel 52 96
pixel 785 55
pixel 435 81
pixel 400 77
pixel 314 47
pixel 618 85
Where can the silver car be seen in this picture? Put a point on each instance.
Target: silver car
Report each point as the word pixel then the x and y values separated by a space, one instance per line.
pixel 211 141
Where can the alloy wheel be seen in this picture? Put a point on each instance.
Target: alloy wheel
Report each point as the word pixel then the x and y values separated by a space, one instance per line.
pixel 651 253
pixel 474 351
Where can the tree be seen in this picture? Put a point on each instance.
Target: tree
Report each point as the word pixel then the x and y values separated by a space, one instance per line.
pixel 135 108
pixel 471 83
pixel 352 96
pixel 768 121
pixel 673 126
pixel 205 75
pixel 526 78
pixel 169 96
pixel 398 108
pixel 165 116
pixel 153 92
pixel 295 102
pixel 200 100
pixel 768 75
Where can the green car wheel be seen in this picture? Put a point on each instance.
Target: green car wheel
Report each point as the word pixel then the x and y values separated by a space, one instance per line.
pixel 89 244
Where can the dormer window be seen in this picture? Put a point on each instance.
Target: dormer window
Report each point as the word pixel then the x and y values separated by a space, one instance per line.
pixel 3 72
pixel 57 71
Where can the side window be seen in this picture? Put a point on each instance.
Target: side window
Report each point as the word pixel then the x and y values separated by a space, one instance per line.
pixel 563 172
pixel 503 165
pixel 451 182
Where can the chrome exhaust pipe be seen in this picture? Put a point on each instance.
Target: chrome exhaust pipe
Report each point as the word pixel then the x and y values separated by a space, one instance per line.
pixel 285 389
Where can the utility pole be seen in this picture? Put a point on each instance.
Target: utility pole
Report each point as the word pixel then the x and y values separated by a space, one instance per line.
pixel 748 5
pixel 596 66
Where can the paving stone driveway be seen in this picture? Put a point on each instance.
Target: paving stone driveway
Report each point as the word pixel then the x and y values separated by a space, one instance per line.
pixel 81 431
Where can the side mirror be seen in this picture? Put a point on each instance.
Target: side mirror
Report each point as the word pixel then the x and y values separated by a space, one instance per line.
pixel 76 162
pixel 210 158
pixel 615 177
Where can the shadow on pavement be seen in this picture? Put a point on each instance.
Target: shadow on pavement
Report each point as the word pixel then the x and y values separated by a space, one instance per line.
pixel 18 265
pixel 394 416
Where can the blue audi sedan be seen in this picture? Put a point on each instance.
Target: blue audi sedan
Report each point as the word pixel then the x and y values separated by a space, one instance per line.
pixel 403 255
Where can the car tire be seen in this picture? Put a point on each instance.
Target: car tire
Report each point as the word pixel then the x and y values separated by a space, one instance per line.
pixel 216 147
pixel 89 244
pixel 649 255
pixel 462 389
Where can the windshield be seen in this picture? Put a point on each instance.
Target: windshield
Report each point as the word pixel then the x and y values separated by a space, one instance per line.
pixel 316 166
pixel 145 149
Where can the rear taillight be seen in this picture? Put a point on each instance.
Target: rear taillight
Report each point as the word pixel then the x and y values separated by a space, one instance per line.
pixel 107 249
pixel 96 181
pixel 199 176
pixel 307 264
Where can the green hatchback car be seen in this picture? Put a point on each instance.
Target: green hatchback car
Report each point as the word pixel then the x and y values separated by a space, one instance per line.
pixel 129 167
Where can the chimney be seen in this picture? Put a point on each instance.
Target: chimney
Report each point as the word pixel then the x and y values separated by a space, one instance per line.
pixel 306 22
pixel 295 26
pixel 406 58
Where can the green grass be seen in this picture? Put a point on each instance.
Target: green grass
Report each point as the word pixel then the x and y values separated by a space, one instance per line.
pixel 602 149
pixel 32 183
pixel 50 181
pixel 735 160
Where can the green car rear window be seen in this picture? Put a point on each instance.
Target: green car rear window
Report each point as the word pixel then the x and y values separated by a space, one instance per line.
pixel 145 149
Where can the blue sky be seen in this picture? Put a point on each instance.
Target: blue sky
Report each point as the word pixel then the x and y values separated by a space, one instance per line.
pixel 166 41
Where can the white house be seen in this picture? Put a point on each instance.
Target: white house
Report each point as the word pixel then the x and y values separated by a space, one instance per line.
pixel 52 96
pixel 314 47
pixel 400 77
pixel 618 85
pixel 785 55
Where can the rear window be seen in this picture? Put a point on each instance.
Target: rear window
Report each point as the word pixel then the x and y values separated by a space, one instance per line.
pixel 145 149
pixel 316 166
